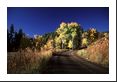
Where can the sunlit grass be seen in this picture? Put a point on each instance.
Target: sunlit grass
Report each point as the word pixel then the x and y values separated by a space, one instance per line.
pixel 60 50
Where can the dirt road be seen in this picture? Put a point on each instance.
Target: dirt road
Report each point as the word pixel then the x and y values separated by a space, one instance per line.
pixel 71 64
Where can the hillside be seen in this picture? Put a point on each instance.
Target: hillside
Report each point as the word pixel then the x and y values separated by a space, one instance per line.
pixel 97 52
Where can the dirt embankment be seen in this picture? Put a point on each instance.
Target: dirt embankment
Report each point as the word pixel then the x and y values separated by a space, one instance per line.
pixel 97 52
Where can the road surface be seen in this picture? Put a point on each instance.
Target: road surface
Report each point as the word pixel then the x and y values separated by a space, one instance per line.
pixel 71 64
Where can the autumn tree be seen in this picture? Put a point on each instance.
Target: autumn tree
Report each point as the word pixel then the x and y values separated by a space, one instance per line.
pixel 85 39
pixel 68 34
pixel 49 44
pixel 60 38
pixel 84 42
pixel 58 43
pixel 70 45
pixel 92 35
pixel 76 33
pixel 38 41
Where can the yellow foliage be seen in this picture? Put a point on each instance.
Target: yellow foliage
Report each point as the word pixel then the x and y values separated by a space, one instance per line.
pixel 74 34
pixel 62 28
pixel 92 30
pixel 58 31
pixel 37 39
pixel 70 45
pixel 63 24
pixel 84 41
pixel 49 44
pixel 61 36
pixel 84 35
pixel 72 24
pixel 57 40
pixel 66 32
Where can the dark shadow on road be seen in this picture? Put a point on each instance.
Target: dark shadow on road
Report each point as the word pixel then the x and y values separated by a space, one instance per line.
pixel 70 64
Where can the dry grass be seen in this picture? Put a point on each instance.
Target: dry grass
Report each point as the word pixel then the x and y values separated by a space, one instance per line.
pixel 27 61
pixel 97 52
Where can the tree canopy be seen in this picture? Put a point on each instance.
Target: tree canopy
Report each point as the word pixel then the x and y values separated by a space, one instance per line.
pixel 66 36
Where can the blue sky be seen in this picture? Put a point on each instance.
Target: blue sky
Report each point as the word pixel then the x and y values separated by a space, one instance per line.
pixel 40 20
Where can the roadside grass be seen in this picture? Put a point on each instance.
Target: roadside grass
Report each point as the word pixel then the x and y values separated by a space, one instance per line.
pixel 26 62
pixel 82 53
